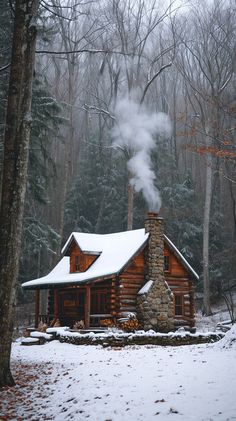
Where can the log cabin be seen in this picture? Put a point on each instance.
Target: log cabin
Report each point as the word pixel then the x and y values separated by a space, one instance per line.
pixel 110 276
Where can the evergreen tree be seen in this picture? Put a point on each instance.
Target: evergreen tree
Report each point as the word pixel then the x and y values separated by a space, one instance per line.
pixel 40 240
pixel 97 200
pixel 183 222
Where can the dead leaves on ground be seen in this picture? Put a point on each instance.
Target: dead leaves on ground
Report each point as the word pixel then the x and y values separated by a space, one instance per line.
pixel 16 401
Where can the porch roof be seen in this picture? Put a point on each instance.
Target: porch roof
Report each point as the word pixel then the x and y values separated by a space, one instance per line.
pixel 114 253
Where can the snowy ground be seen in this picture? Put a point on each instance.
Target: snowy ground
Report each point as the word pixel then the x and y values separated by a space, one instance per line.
pixel 209 323
pixel 67 382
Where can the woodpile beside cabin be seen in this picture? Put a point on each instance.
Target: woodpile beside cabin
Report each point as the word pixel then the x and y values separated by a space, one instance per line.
pixel 102 278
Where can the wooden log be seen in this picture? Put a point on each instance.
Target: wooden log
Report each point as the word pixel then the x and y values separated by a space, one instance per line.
pixel 127 301
pixel 180 284
pixel 128 308
pixel 135 278
pixel 131 291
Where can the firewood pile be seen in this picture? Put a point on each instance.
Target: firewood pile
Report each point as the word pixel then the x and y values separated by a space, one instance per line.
pixel 129 324
pixel 79 325
pixel 107 323
pixel 56 323
pixel 42 327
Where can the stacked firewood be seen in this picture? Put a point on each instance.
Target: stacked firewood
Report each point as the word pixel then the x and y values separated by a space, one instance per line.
pixel 42 327
pixel 107 323
pixel 129 325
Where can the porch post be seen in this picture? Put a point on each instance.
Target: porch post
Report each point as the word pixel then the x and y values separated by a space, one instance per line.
pixel 87 307
pixel 113 297
pixel 37 303
pixel 56 312
pixel 192 307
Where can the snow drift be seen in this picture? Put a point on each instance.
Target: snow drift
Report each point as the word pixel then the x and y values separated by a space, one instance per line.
pixel 229 340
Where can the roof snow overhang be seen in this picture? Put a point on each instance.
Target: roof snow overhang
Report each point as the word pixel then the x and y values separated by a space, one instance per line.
pixel 117 251
pixel 75 237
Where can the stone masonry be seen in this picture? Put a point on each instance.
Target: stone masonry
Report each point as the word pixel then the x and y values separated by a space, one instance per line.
pixel 155 306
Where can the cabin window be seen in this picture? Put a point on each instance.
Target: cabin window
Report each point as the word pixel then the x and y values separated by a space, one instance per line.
pixel 76 263
pixel 167 263
pixel 179 307
pixel 100 302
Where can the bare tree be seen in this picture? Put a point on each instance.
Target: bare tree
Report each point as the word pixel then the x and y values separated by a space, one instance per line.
pixel 136 29
pixel 16 147
pixel 228 292
pixel 207 67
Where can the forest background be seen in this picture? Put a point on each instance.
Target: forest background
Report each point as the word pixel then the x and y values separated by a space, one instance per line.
pixel 97 63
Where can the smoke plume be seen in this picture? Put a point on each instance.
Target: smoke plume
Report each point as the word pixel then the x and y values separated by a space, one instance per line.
pixel 135 132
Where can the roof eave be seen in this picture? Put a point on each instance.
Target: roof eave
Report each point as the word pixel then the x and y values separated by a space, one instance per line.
pixel 70 283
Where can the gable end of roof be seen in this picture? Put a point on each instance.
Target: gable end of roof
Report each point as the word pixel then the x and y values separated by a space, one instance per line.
pixel 66 248
pixel 179 255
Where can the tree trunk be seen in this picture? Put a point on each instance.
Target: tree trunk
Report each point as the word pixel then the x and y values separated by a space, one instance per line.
pixel 130 212
pixel 15 164
pixel 206 229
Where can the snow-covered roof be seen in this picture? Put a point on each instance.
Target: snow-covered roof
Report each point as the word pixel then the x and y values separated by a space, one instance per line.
pixel 88 243
pixel 115 251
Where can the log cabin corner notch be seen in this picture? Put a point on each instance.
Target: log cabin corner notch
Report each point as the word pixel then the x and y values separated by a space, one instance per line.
pixel 105 276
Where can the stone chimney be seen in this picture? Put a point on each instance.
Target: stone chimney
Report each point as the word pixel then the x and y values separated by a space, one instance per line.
pixel 155 302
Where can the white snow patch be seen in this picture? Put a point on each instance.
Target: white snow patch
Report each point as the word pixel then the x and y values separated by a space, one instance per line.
pixel 37 334
pixel 229 340
pixel 29 340
pixel 56 329
pixel 117 333
pixel 189 383
pixel 145 288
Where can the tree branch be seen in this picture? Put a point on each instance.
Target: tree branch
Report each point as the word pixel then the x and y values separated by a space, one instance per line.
pixel 84 50
pixel 43 4
pixel 67 7
pixel 152 79
pixel 87 107
pixel 5 67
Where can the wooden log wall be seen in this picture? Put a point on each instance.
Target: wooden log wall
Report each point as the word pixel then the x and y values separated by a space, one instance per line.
pixel 131 280
pixel 123 289
pixel 178 280
pixel 85 260
pixel 114 296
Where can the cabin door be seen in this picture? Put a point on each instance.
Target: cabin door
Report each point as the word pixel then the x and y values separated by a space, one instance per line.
pixel 71 306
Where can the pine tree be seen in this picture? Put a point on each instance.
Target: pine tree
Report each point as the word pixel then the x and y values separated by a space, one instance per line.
pixel 40 240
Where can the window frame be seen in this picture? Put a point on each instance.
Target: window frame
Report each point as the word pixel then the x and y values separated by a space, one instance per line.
pixel 179 306
pixel 167 260
pixel 77 263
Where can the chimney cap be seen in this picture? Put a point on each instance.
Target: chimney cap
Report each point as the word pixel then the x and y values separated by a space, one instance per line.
pixel 152 215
